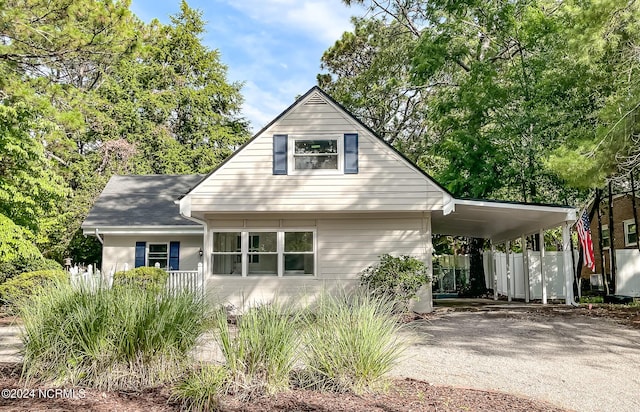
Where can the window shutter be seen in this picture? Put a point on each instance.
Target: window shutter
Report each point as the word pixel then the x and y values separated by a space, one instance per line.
pixel 280 154
pixel 351 153
pixel 141 251
pixel 174 256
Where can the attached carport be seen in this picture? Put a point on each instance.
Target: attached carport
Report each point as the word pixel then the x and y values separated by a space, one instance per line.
pixel 503 223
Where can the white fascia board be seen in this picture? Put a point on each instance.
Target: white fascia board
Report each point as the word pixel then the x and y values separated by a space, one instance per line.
pixel 448 204
pixel 185 206
pixel 569 211
pixel 145 230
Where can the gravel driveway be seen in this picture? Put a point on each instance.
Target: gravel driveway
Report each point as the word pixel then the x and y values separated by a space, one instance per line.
pixel 572 361
pixel 577 362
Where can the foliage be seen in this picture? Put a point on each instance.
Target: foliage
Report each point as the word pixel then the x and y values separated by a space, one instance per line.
pixel 147 278
pixel 202 388
pixel 28 284
pixel 351 343
pixel 396 278
pixel 261 353
pixel 18 253
pixel 121 338
pixel 88 90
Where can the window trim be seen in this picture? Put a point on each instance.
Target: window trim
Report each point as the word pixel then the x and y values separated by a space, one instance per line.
pixel 626 224
pixel 291 164
pixel 148 251
pixel 280 231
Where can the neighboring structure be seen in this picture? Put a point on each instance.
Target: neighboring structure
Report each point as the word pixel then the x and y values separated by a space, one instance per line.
pixel 625 243
pixel 304 206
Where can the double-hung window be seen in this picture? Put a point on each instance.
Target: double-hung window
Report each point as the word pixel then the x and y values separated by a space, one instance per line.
pixel 630 233
pixel 264 253
pixel 158 253
pixel 317 153
pixel 606 237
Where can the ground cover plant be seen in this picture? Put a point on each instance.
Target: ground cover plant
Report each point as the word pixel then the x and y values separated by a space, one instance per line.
pixel 120 338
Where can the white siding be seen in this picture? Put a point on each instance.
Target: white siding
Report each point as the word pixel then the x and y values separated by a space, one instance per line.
pixel 345 246
pixel 385 182
pixel 118 250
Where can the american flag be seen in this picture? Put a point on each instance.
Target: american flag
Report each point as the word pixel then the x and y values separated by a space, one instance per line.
pixel 584 234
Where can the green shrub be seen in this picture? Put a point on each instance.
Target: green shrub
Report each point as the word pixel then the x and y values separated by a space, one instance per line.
pixel 396 278
pixel 260 353
pixel 18 252
pixel 350 344
pixel 201 389
pixel 29 283
pixel 121 338
pixel 149 278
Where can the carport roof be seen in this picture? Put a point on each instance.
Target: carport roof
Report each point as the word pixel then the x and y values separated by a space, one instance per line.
pixel 498 221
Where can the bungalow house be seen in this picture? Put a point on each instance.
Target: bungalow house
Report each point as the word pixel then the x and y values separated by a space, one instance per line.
pixel 621 240
pixel 305 205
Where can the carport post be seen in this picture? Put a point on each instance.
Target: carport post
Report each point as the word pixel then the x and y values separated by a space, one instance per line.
pixel 494 268
pixel 542 277
pixel 568 266
pixel 507 247
pixel 525 269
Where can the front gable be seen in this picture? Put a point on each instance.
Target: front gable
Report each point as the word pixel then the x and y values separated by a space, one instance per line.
pixel 315 157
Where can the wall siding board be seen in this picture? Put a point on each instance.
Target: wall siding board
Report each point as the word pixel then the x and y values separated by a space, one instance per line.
pixel 384 181
pixel 345 246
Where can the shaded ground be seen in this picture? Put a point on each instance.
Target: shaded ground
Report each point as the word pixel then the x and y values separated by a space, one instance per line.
pixel 522 350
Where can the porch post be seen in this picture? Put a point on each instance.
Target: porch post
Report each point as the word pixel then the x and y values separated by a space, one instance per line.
pixel 568 267
pixel 424 303
pixel 207 249
pixel 525 269
pixel 507 247
pixel 495 271
pixel 542 277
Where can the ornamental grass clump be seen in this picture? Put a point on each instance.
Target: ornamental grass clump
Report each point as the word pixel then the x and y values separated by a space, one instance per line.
pixel 109 339
pixel 202 389
pixel 260 350
pixel 351 344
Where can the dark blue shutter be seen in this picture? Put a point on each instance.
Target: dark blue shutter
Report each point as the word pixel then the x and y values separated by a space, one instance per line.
pixel 280 154
pixel 351 153
pixel 174 256
pixel 141 252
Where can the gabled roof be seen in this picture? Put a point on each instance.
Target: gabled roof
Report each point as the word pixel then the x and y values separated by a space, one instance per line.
pixel 341 107
pixel 141 201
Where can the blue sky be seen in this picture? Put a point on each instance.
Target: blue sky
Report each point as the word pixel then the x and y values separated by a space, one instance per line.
pixel 273 46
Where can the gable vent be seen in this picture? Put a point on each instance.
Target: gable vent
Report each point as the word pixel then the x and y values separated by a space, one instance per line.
pixel 315 99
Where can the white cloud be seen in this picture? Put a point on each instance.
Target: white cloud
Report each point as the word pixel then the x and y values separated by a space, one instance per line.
pixel 323 20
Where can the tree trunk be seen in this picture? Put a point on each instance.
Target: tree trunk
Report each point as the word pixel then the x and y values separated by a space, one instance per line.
pixel 477 286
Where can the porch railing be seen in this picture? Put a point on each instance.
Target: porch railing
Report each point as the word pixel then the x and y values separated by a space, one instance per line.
pixel 177 281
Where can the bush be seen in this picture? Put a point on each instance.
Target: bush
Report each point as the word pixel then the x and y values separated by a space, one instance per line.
pixel 201 390
pixel 148 278
pixel 351 344
pixel 30 283
pixel 260 354
pixel 122 338
pixel 396 278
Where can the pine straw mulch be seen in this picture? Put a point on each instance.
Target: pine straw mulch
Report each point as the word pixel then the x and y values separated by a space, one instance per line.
pixel 402 395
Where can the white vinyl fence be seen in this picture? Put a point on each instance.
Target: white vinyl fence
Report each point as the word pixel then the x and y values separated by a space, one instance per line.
pixel 628 272
pixel 553 274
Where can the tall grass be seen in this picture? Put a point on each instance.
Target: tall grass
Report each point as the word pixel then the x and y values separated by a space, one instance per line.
pixel 122 338
pixel 260 351
pixel 202 389
pixel 351 343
